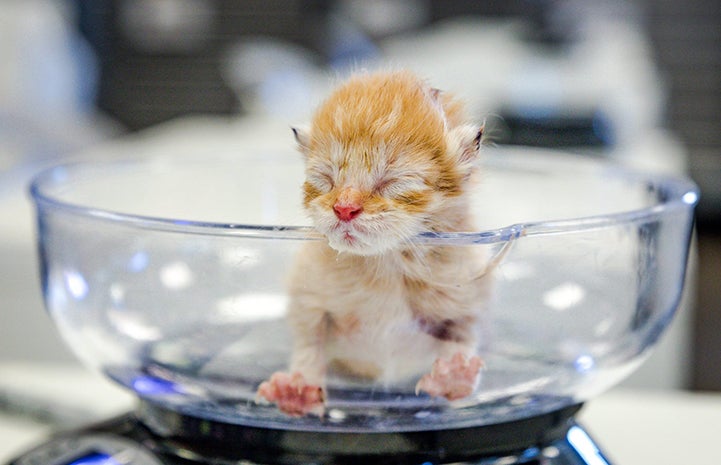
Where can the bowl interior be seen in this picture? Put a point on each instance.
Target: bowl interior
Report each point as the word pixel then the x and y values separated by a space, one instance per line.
pixel 170 275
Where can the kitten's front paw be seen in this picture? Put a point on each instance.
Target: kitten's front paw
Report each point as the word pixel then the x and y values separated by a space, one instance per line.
pixel 453 378
pixel 292 395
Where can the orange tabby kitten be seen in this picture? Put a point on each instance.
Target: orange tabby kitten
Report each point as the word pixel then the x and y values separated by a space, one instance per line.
pixel 387 158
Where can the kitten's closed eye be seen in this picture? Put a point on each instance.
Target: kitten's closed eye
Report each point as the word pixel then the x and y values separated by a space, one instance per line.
pixel 392 186
pixel 322 181
pixel 316 185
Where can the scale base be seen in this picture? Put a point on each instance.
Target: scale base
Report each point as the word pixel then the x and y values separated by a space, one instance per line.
pixel 550 439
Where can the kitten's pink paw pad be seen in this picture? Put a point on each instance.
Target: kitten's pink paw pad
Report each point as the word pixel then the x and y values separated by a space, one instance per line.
pixel 453 378
pixel 292 395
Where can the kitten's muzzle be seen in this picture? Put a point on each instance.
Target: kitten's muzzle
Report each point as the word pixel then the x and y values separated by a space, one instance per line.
pixel 349 204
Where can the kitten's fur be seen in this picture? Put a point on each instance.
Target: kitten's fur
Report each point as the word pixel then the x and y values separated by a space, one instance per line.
pixel 387 157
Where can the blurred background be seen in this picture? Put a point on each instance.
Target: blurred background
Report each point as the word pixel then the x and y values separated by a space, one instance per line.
pixel 634 81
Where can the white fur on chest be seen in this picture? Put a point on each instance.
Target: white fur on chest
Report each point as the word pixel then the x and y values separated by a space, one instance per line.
pixel 372 329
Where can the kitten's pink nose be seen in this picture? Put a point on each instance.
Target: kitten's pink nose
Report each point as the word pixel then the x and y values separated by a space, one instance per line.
pixel 347 211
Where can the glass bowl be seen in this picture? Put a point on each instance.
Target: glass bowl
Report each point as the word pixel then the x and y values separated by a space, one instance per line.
pixel 169 275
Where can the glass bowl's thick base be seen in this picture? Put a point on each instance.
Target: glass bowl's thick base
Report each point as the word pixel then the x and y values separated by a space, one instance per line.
pixel 525 439
pixel 155 435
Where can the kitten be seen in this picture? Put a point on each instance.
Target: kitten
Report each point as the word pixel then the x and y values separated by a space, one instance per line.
pixel 387 158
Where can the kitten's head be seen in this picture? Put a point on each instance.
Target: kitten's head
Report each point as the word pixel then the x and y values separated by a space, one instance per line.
pixel 385 160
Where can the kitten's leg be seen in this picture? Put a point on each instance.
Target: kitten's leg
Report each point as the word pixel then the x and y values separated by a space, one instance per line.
pixel 455 373
pixel 301 391
pixel 453 378
pixel 292 394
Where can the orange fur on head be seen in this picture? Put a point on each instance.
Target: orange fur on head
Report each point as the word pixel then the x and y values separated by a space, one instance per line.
pixel 400 145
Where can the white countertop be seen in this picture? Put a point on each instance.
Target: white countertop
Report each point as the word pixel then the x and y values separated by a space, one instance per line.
pixel 633 427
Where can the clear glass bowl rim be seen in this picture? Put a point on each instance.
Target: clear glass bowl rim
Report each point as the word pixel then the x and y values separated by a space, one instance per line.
pixel 681 194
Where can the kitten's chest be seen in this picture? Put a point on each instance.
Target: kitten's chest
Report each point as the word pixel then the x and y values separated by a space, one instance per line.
pixel 394 291
pixel 365 302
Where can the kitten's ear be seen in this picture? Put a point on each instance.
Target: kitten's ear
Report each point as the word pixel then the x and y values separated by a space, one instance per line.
pixel 465 142
pixel 302 137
